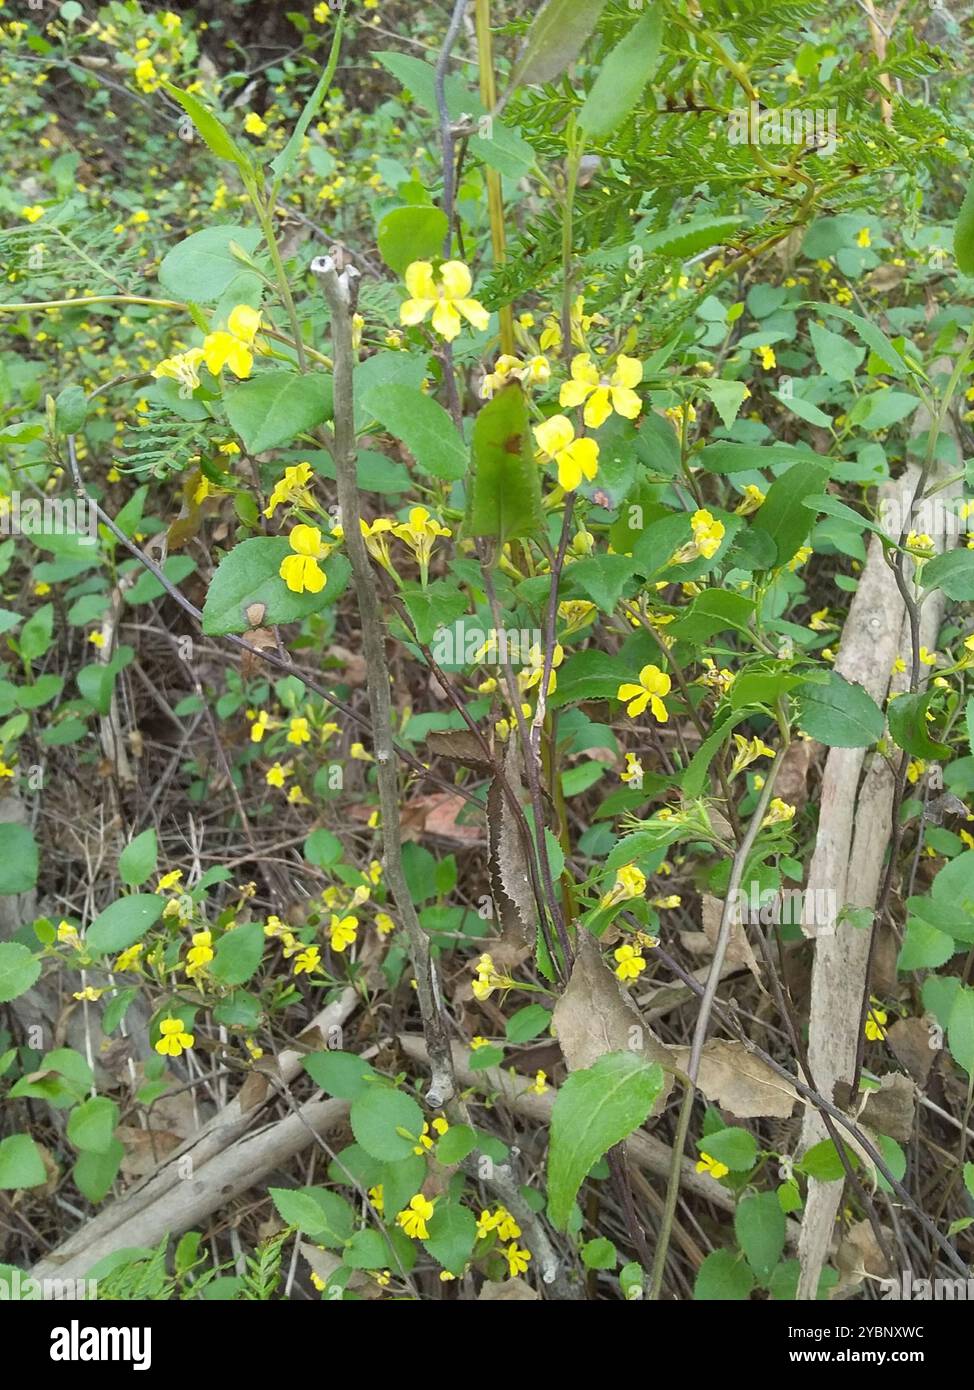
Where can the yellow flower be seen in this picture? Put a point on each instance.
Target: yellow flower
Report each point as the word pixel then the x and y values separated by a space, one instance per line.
pixel 778 812
pixel 413 1219
pixel 536 660
pixel 707 533
pixel 146 76
pixel 633 771
pixel 342 931
pixel 876 1024
pixel 232 347
pixel 420 534
pixel 358 752
pixel 307 961
pixel 174 1040
pixel 90 993
pixel 292 488
pixel 200 954
pixel 716 1169
pixel 384 923
pixel 299 731
pixel 377 1198
pixel 863 237
pixel 630 882
pixel 97 639
pixel 538 1088
pixel 517 1259
pixel 301 570
pixel 277 774
pixel 630 962
pixel 576 612
pixel 768 359
pixel 259 727
pixel 129 959
pixel 253 124
pixel 576 458
pixel 447 296
pixel 33 213
pixel 169 880
pixel 505 368
pixel 748 752
pixel 600 394
pixel 753 499
pixel 182 368
pixel 653 685
pixel 478 1042
pixel 488 980
pixel 67 935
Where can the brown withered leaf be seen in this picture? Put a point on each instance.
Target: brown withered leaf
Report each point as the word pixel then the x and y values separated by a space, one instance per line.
pixel 891 1109
pixel 909 1039
pixel 507 1291
pixel 508 857
pixel 859 1255
pixel 736 1080
pixel 595 1015
pixel 738 947
pixel 144 1148
pixel 252 1092
pixel 458 746
pixel 791 783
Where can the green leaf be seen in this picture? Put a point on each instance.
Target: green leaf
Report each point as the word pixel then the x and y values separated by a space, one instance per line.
pixel 907 716
pixel 783 516
pixel 138 859
pixel 872 336
pixel 599 1254
pixel 964 233
pixel 743 458
pixel 18 858
pixel 882 409
pixel 839 714
pixel 366 1250
pixel 283 162
pixel 19 968
pixel 953 572
pixel 595 1109
pixel 452 1235
pixel 37 633
pixel 386 1123
pixel 317 1212
pixel 759 1224
pixel 271 409
pixel 924 946
pixel 238 953
pixel 960 1029
pixel 723 1277
pixel 214 133
pixel 411 234
pixel 527 1023
pixel 689 236
pixel 822 1161
pixel 602 578
pixel 250 574
pixel 123 923
pixel 437 606
pixel 555 39
pixel 711 612
pixel 505 492
pixel 455 1145
pixel 323 849
pixel 969 1177
pixel 835 355
pixel 340 1074
pixel 70 410
pixel 91 1125
pixel 623 76
pixel 201 267
pixel 728 397
pixel 21 1164
pixel 736 1148
pixel 94 1172
pixel 423 426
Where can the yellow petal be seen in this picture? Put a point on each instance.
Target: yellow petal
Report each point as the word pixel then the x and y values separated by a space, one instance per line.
pixel 474 312
pixel 554 435
pixel 584 371
pixel 244 322
pixel 413 311
pixel 625 402
pixel 598 409
pixel 306 540
pixel 446 320
pixel 456 280
pixel 574 393
pixel 628 372
pixel 420 282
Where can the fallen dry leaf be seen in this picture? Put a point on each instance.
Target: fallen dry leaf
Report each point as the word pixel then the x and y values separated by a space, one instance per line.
pixel 909 1040
pixel 736 1080
pixel 507 1291
pixel 595 1015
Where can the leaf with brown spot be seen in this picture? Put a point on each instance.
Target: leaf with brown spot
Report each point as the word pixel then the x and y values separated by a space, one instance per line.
pixel 736 1080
